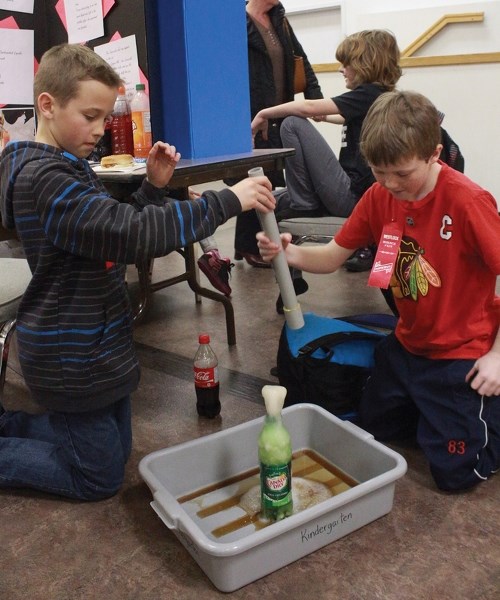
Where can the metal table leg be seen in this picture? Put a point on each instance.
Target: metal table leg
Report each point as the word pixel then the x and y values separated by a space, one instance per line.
pixel 147 287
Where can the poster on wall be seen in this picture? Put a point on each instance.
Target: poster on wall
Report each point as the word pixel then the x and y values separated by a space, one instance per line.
pixel 121 54
pixel 16 124
pixel 84 20
pixel 16 56
pixel 25 6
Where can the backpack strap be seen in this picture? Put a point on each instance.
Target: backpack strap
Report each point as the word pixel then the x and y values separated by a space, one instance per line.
pixel 333 339
pixel 450 154
pixel 372 320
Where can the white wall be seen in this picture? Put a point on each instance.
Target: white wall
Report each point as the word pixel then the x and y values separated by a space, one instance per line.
pixel 467 94
pixel 319 32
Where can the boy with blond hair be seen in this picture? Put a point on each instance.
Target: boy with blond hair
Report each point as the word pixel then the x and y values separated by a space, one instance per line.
pixel 438 376
pixel 74 325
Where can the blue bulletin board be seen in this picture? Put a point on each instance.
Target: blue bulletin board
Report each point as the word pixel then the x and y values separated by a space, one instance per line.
pixel 198 76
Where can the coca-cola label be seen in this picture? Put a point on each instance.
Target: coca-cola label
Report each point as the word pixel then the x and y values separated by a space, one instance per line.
pixel 206 378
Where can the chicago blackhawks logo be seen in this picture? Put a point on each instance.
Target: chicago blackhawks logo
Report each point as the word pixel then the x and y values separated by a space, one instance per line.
pixel 413 274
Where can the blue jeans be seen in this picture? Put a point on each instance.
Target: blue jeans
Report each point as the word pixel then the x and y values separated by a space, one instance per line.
pixel 314 177
pixel 78 455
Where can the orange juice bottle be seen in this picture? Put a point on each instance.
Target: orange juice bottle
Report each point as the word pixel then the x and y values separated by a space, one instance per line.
pixel 141 122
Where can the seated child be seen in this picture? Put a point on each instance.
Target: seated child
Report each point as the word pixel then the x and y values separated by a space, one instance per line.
pixel 318 182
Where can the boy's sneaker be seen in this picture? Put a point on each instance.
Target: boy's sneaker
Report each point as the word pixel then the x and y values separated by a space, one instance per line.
pixel 361 260
pixel 217 270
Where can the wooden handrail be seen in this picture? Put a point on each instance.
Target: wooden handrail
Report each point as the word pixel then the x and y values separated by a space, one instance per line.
pixel 426 61
pixel 438 26
pixel 408 61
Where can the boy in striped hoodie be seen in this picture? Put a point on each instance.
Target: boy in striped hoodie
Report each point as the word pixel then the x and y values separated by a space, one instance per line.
pixel 73 324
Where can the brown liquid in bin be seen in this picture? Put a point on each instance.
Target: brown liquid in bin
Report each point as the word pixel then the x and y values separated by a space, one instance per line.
pixel 315 480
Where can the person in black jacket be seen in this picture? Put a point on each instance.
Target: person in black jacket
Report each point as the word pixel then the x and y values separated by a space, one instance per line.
pixel 272 45
pixel 74 321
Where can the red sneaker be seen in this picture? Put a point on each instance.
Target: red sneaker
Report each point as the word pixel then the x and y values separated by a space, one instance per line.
pixel 217 270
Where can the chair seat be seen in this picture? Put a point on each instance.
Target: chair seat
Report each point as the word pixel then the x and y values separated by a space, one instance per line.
pixel 16 275
pixel 312 229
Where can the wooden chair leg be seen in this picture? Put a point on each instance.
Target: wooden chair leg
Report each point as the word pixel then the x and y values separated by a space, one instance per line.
pixel 6 331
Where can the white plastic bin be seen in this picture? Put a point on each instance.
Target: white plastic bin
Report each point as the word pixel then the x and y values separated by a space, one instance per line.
pixel 183 469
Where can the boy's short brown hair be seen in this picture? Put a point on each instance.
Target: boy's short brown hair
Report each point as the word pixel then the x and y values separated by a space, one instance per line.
pixel 373 55
pixel 63 67
pixel 399 126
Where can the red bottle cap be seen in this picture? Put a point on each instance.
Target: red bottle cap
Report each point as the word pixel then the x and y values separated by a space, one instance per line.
pixel 204 338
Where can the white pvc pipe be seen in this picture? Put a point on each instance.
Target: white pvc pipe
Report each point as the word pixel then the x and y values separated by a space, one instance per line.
pixel 291 307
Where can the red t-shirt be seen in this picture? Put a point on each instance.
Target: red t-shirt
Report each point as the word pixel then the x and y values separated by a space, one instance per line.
pixel 445 274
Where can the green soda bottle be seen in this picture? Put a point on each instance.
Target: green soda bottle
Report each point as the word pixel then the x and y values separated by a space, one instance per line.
pixel 275 458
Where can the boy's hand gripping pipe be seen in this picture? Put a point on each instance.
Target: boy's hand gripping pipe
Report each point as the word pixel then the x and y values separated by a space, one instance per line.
pixel 291 308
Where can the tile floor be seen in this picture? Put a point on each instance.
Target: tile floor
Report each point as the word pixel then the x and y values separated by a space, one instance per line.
pixel 430 546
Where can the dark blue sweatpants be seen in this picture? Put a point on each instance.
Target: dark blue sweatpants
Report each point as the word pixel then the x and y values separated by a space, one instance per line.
pixel 458 430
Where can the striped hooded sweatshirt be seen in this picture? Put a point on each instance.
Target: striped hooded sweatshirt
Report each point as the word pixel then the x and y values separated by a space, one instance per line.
pixel 74 320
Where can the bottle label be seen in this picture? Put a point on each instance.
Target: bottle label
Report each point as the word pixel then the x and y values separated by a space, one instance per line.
pixel 146 121
pixel 276 485
pixel 141 128
pixel 206 377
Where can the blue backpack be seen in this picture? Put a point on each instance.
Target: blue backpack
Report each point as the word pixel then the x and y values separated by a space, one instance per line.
pixel 327 361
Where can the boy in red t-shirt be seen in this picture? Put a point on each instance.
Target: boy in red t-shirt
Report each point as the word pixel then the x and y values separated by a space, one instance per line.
pixel 438 376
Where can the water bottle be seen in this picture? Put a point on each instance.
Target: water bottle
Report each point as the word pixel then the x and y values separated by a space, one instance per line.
pixel 275 459
pixel 141 122
pixel 122 141
pixel 206 379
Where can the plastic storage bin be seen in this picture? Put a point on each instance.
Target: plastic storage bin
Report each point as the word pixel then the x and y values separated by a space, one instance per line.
pixel 241 558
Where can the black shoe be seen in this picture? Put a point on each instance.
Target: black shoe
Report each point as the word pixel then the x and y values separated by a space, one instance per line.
pixel 361 260
pixel 299 285
pixel 254 260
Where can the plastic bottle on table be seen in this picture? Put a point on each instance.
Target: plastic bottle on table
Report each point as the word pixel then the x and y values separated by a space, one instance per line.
pixel 122 141
pixel 103 146
pixel 206 379
pixel 141 122
pixel 275 458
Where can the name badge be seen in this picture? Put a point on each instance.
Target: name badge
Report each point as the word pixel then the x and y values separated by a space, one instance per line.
pixel 387 253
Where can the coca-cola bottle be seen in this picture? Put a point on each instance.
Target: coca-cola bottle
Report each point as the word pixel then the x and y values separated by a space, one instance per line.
pixel 206 379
